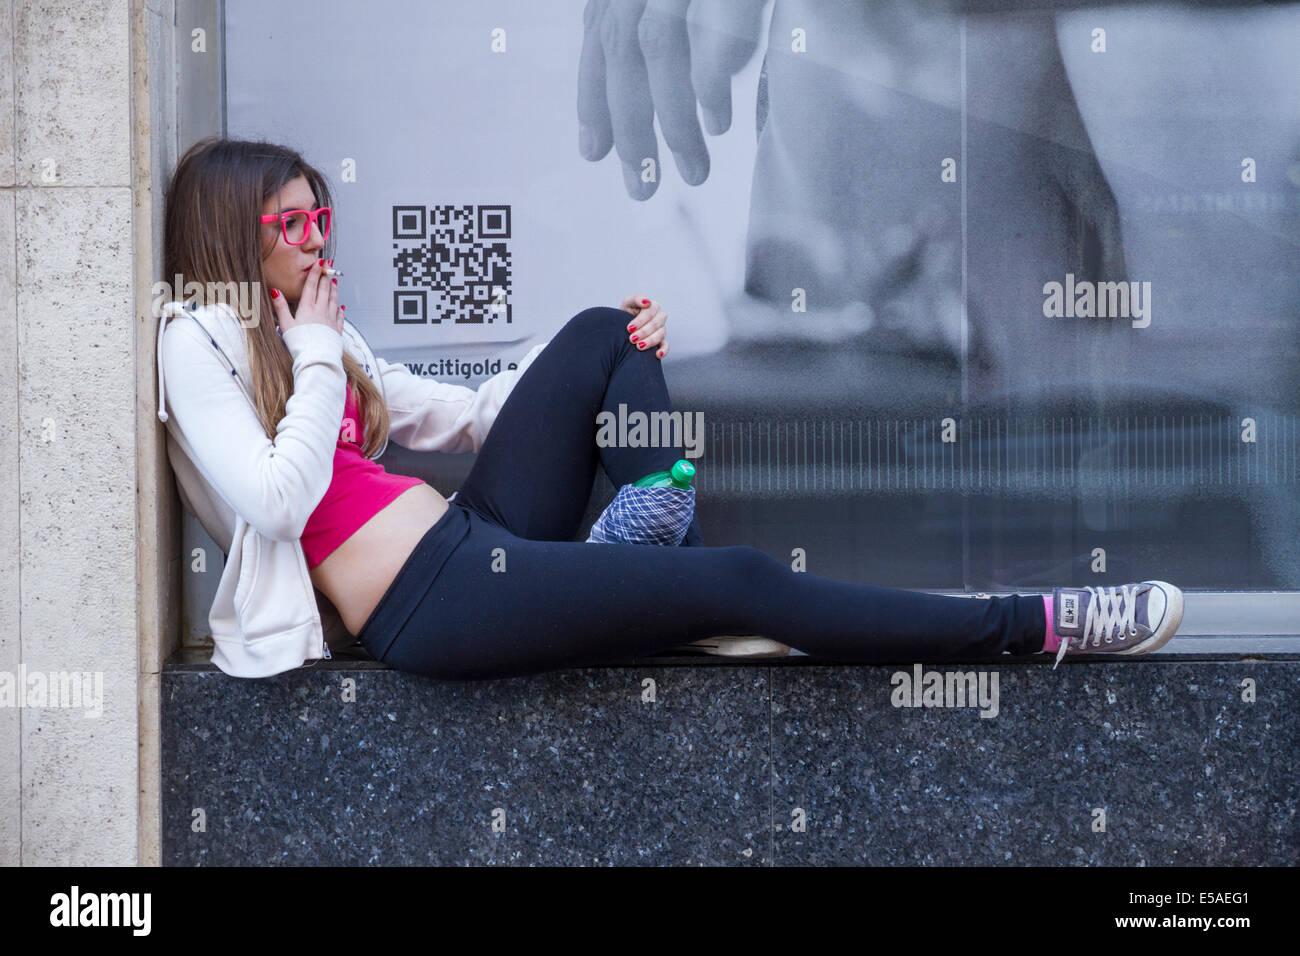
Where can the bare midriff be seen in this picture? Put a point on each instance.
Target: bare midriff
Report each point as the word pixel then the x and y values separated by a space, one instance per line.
pixel 357 574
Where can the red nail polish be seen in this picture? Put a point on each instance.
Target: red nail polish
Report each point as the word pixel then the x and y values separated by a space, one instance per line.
pixel 631 327
pixel 335 281
pixel 331 262
pixel 634 338
pixel 645 301
pixel 661 353
pixel 640 345
pixel 275 293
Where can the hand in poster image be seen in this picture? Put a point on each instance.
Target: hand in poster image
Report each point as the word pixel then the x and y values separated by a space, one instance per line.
pixel 856 197
pixel 874 194
pixel 660 57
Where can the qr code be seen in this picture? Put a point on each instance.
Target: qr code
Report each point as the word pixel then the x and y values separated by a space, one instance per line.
pixel 452 261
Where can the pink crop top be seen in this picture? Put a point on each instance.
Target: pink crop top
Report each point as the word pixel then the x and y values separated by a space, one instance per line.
pixel 359 490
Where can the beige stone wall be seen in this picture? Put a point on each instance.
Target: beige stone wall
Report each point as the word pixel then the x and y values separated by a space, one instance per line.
pixel 90 563
pixel 153 132
pixel 10 723
pixel 70 571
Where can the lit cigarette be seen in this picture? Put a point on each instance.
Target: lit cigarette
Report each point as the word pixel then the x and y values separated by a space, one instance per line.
pixel 331 272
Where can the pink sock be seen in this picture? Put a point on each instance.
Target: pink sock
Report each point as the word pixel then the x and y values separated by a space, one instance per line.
pixel 1051 642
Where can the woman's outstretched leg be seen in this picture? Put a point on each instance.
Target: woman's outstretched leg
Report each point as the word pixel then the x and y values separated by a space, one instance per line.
pixel 534 473
pixel 504 606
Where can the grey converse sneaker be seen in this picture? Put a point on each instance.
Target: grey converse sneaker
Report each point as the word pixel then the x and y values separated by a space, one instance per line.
pixel 1125 619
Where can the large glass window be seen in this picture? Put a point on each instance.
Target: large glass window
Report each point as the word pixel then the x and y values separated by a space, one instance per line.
pixel 971 296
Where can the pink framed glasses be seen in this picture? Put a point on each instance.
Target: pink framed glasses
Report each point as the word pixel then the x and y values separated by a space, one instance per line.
pixel 296 224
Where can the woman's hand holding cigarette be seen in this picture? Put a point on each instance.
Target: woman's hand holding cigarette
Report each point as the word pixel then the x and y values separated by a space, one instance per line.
pixel 318 304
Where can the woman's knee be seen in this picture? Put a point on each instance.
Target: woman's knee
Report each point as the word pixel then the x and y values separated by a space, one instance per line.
pixel 600 319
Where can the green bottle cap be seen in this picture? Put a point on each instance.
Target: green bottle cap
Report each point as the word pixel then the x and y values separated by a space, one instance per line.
pixel 682 472
pixel 679 477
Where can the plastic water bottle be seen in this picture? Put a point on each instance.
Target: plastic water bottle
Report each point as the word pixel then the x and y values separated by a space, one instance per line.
pixel 657 509
pixel 678 477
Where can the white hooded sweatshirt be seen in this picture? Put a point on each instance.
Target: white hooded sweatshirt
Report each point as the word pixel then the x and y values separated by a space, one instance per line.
pixel 254 495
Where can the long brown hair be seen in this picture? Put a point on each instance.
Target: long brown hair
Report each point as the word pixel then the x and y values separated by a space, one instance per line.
pixel 212 236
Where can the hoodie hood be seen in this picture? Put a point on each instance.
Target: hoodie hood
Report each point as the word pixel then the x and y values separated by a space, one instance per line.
pixel 170 310
pixel 209 318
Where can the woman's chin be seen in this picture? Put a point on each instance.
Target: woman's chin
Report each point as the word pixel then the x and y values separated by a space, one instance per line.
pixel 292 292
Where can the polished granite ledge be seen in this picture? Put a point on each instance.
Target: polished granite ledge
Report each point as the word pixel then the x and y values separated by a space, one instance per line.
pixel 651 764
pixel 726 763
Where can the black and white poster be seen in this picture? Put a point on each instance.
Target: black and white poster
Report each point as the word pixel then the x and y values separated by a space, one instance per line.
pixel 970 295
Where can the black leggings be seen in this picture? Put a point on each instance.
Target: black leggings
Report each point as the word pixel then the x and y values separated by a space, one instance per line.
pixel 499 588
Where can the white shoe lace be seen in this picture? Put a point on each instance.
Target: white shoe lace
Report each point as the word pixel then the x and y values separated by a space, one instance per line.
pixel 1104 617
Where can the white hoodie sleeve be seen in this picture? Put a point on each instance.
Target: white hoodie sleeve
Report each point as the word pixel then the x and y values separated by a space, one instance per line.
pixel 273 485
pixel 427 415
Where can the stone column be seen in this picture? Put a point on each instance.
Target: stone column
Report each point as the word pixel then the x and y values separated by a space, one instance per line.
pixel 83 575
